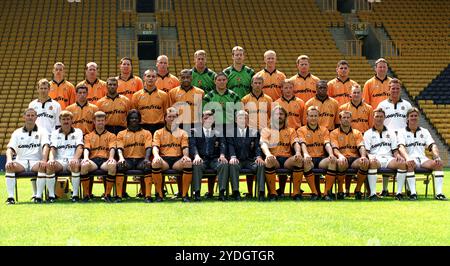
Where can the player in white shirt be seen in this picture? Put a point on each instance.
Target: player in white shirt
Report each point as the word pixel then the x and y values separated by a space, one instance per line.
pixel 412 141
pixel 47 109
pixel 395 109
pixel 66 149
pixel 381 144
pixel 30 145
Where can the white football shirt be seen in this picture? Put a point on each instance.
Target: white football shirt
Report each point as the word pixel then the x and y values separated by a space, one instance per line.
pixel 66 145
pixel 395 113
pixel 28 145
pixel 380 144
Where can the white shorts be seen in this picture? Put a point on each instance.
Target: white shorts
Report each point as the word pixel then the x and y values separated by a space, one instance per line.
pixel 64 163
pixel 420 160
pixel 384 160
pixel 27 164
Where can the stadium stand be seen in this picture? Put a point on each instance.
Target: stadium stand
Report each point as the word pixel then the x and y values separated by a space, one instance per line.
pixel 284 26
pixel 37 33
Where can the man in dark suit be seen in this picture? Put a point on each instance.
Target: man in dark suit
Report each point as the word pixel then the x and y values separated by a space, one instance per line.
pixel 245 152
pixel 208 151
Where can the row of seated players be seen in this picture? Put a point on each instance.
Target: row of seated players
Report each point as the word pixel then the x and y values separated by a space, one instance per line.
pixel 277 146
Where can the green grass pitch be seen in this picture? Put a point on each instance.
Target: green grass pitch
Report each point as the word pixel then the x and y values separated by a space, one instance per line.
pixel 246 223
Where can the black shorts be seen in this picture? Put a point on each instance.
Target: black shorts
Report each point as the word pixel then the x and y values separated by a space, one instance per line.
pixel 132 164
pixel 282 160
pixel 350 160
pixel 316 161
pixel 170 160
pixel 152 127
pixel 99 161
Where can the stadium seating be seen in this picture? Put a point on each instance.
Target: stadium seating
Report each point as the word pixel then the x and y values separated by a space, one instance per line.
pixel 421 33
pixel 284 26
pixel 37 33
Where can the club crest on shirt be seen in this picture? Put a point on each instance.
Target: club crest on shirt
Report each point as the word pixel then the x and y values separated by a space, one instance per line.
pixel 421 136
pixel 403 107
pixel 73 137
pixel 50 108
pixel 36 137
pixel 341 138
pixel 388 136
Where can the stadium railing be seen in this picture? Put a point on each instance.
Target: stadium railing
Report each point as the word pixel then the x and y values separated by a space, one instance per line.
pixel 426 173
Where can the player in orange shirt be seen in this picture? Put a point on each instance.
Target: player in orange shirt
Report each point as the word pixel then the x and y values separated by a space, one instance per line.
pixel 83 111
pixel 362 113
pixel 187 99
pixel 293 105
pixel 171 150
pixel 115 106
pixel 339 88
pixel 277 143
pixel 376 89
pixel 96 87
pixel 61 90
pixel 348 146
pixel 134 146
pixel 273 78
pixel 128 83
pixel 316 140
pixel 99 151
pixel 304 81
pixel 165 81
pixel 151 103
pixel 328 107
pixel 257 104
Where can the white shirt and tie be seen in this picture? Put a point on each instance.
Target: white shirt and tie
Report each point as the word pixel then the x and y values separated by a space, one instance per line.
pixel 242 132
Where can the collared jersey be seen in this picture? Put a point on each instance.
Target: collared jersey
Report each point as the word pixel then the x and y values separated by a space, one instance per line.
pixel 99 144
pixel 171 143
pixel 96 90
pixel 340 90
pixel 272 82
pixel 258 109
pixel 380 144
pixel 376 90
pixel 151 104
pixel 83 116
pixel 28 145
pixel 180 98
pixel 134 143
pixel 66 145
pixel 328 115
pixel 63 93
pixel 214 100
pixel 116 109
pixel 314 139
pixel 415 142
pixel 130 86
pixel 395 113
pixel 204 80
pixel 295 108
pixel 305 87
pixel 348 143
pixel 362 115
pixel 239 81
pixel 47 114
pixel 280 142
pixel 167 82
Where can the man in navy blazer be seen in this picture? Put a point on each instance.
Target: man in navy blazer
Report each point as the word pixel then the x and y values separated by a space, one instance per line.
pixel 208 151
pixel 245 153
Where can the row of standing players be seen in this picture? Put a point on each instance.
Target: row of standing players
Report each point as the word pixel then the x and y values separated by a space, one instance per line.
pixel 183 93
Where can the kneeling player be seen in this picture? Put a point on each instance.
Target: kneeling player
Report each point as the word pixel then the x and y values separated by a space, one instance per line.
pixel 276 144
pixel 99 151
pixel 134 146
pixel 348 146
pixel 171 150
pixel 316 140
pixel 66 148
pixel 412 142
pixel 381 145
pixel 30 144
